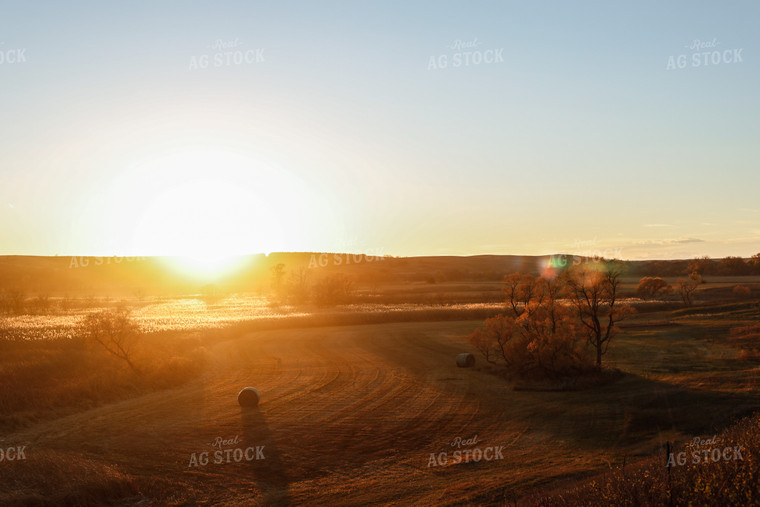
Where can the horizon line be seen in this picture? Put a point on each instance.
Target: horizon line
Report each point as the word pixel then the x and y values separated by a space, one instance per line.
pixel 267 254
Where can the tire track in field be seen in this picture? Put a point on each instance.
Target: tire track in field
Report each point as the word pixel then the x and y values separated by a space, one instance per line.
pixel 347 395
pixel 344 411
pixel 358 413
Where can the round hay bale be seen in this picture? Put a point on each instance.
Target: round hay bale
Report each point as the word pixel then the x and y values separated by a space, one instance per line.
pixel 465 360
pixel 248 397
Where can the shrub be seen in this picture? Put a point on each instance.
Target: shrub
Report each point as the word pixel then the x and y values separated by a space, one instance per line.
pixel 741 291
pixel 333 290
pixel 650 286
pixel 12 301
pixel 747 339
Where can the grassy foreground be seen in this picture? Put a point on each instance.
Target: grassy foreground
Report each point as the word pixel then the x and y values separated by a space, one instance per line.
pixel 354 412
pixel 733 481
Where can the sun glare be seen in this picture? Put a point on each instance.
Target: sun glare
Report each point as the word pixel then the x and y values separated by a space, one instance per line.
pixel 204 208
pixel 206 267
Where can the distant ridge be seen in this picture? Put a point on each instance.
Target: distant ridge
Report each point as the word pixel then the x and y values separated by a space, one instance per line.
pixel 59 275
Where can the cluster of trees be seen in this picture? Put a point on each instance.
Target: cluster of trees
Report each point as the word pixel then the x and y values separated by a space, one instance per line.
pixel 728 266
pixel 651 287
pixel 705 266
pixel 16 302
pixel 555 326
pixel 299 287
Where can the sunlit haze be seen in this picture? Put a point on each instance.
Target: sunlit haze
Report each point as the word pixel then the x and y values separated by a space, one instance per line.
pixel 347 127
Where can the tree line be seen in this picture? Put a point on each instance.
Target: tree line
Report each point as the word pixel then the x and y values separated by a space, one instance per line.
pixel 704 266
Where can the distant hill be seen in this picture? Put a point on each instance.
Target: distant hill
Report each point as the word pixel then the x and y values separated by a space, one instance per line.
pixel 159 275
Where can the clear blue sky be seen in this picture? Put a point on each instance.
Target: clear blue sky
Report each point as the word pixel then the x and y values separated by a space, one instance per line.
pixel 344 139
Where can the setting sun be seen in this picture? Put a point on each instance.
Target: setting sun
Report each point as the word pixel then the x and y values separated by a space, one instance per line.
pixel 208 206
pixel 207 266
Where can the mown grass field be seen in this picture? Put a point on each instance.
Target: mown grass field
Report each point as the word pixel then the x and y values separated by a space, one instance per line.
pixel 351 414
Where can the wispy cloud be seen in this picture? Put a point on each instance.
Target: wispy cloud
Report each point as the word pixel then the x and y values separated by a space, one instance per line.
pixel 657 225
pixel 685 241
pixel 662 242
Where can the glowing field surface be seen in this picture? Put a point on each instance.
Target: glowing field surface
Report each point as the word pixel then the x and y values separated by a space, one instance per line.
pixel 190 313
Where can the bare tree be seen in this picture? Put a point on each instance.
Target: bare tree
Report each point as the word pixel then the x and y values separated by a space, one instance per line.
pixel 594 294
pixel 518 289
pixel 686 288
pixel 114 331
pixel 494 338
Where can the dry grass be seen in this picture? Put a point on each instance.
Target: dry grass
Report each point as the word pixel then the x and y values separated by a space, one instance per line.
pixel 747 339
pixel 44 379
pixel 353 412
pixel 647 482
pixel 48 477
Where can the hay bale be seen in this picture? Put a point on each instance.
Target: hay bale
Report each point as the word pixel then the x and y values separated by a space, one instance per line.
pixel 248 397
pixel 465 360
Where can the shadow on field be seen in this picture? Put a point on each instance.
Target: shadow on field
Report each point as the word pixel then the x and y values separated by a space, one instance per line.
pixel 636 408
pixel 269 473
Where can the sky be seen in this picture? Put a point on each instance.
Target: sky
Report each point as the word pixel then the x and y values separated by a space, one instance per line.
pixel 390 128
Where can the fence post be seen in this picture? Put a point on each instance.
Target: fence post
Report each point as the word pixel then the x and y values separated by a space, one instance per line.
pixel 668 450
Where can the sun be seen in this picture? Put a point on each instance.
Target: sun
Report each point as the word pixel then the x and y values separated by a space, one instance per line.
pixel 208 218
pixel 205 208
pixel 206 267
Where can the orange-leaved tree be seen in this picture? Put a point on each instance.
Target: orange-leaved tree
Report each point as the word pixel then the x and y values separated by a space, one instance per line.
pixel 651 286
pixel 537 336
